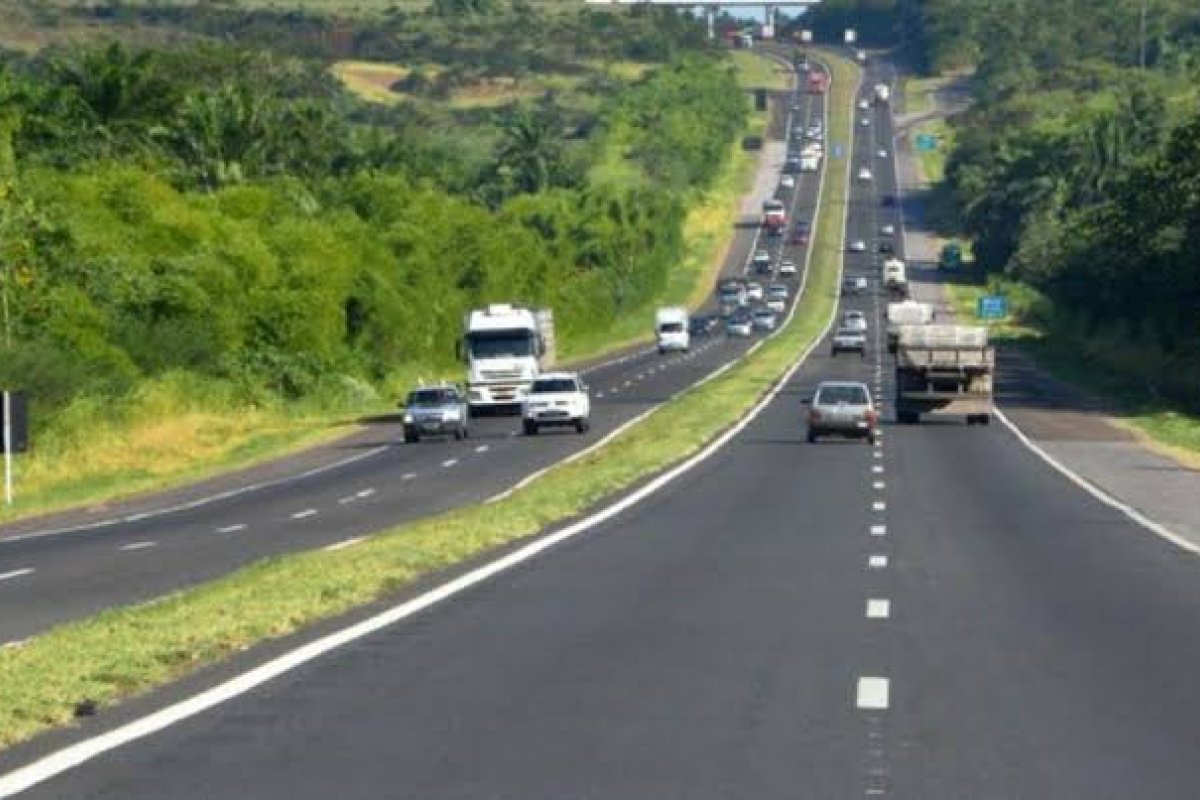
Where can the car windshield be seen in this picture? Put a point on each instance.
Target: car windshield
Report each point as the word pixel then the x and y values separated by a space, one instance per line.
pixel 502 343
pixel 553 385
pixel 848 394
pixel 848 332
pixel 670 327
pixel 430 397
pixel 764 314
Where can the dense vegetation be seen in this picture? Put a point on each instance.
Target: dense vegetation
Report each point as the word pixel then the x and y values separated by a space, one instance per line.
pixel 1076 169
pixel 226 214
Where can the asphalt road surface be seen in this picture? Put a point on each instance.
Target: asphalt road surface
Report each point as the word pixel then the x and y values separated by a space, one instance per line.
pixel 937 616
pixel 58 569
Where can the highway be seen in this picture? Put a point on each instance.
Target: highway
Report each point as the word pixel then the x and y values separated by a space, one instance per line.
pixel 57 569
pixel 937 616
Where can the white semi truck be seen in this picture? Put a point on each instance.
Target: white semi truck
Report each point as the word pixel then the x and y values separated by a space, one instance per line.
pixel 907 312
pixel 505 348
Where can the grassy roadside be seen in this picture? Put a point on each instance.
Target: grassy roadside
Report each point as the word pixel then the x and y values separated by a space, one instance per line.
pixel 125 652
pixel 173 444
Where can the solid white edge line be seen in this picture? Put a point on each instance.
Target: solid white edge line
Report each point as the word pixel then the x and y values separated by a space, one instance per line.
pixel 69 757
pixel 342 545
pixel 241 526
pixel 203 501
pixel 305 514
pixel 16 573
pixel 872 694
pixel 1104 497
pixel 449 462
pixel 136 546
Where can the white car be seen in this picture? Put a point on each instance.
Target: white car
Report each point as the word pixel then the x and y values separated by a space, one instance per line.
pixel 882 152
pixel 864 174
pixel 764 319
pixel 887 230
pixel 754 291
pixel 864 104
pixel 854 321
pixel 787 267
pixel 777 295
pixel 556 398
pixel 858 246
pixel 864 122
pixel 787 182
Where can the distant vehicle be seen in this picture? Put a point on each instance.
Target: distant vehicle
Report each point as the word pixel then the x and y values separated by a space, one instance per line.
pixel 810 162
pixel 887 248
pixel 951 256
pixel 887 229
pixel 439 410
pixel 864 174
pixel 777 295
pixel 787 267
pixel 861 56
pixel 739 325
pixel 864 122
pixel 944 368
pixel 761 262
pixel 854 284
pixel 818 82
pixel 787 182
pixel 895 279
pixel 791 166
pixel 774 215
pixel 800 232
pixel 701 325
pixel 864 104
pixel 847 340
pixel 842 408
pixel 854 320
pixel 857 246
pixel 882 152
pixel 671 329
pixel 907 312
pixel 764 319
pixel 883 93
pixel 557 398
pixel 730 297
pixel 754 291
pixel 887 200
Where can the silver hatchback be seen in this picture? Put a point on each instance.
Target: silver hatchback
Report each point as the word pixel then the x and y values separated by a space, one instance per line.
pixel 842 408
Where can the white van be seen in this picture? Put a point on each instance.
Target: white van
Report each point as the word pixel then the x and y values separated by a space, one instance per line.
pixel 671 328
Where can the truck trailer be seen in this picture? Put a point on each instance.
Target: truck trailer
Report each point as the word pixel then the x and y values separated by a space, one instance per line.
pixel 906 312
pixel 945 369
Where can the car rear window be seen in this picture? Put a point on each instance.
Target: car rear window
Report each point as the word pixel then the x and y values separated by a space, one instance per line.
pixel 851 395
pixel 430 397
pixel 553 385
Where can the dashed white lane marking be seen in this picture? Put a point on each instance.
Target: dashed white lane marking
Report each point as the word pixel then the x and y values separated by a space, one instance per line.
pixel 872 694
pixel 599 395
pixel 483 448
pixel 241 526
pixel 878 505
pixel 408 476
pixel 342 545
pixel 877 454
pixel 365 492
pixel 877 469
pixel 449 462
pixel 137 546
pixel 878 530
pixel 16 573
pixel 878 485
pixel 308 512
pixel 877 561
pixel 136 517
pixel 879 608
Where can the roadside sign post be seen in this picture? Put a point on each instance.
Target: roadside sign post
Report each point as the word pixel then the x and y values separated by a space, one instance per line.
pixel 992 307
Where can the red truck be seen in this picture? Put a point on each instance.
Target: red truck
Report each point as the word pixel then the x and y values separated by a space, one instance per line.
pixel 774 216
pixel 818 81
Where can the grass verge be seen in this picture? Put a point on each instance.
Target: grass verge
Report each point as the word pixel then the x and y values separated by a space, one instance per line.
pixel 124 652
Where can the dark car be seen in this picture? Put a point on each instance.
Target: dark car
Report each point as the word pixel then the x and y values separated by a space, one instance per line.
pixel 702 325
pixel 800 233
pixel 887 248
pixel 888 200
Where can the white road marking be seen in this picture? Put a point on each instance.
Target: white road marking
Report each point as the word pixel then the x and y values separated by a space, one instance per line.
pixel 16 573
pixel 872 694
pixel 342 545
pixel 877 469
pixel 449 462
pixel 877 561
pixel 408 476
pixel 72 756
pixel 241 526
pixel 879 608
pixel 370 490
pixel 136 517
pixel 599 395
pixel 628 383
pixel 308 512
pixel 877 454
pixel 878 505
pixel 878 485
pixel 483 448
pixel 879 530
pixel 136 546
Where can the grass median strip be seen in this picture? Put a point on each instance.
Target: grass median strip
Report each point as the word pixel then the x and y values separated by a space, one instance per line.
pixel 127 651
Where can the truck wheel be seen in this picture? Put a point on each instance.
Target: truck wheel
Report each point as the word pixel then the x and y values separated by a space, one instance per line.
pixel 871 438
pixel 459 434
pixel 984 419
pixel 531 428
pixel 812 437
pixel 411 437
pixel 581 426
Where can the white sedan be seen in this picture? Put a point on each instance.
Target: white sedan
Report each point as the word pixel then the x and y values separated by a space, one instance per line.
pixel 864 174
pixel 887 230
pixel 882 153
pixel 858 246
pixel 788 182
pixel 787 267
pixel 864 104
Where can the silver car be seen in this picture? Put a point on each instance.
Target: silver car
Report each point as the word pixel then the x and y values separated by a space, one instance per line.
pixel 739 325
pixel 439 410
pixel 765 319
pixel 842 408
pixel 848 340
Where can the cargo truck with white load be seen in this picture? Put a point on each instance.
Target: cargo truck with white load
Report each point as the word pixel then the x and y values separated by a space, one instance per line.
pixel 906 312
pixel 505 348
pixel 946 369
pixel 895 278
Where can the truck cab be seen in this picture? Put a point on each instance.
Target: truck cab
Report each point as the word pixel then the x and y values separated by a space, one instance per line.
pixel 671 329
pixel 505 347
